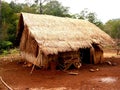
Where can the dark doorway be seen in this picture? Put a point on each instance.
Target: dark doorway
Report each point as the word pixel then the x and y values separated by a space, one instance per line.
pixel 85 55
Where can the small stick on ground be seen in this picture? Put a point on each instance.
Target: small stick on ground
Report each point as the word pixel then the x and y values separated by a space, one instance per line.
pixel 32 68
pixel 9 88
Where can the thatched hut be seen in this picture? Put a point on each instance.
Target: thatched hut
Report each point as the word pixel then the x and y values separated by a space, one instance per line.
pixel 44 39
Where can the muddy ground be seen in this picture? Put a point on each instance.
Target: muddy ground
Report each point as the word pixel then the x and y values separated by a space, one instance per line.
pixel 104 76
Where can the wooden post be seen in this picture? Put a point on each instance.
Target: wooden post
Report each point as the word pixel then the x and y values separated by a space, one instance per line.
pixel 92 55
pixel 53 65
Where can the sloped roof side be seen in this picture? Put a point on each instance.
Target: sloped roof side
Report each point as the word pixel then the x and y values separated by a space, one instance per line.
pixel 57 34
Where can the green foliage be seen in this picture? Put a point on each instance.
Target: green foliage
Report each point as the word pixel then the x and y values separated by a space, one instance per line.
pixel 15 7
pixel 5 52
pixel 9 23
pixel 14 50
pixel 5 45
pixel 10 51
pixel 0 19
pixel 29 8
pixel 112 27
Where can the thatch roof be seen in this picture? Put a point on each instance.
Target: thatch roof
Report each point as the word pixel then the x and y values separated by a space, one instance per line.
pixel 57 34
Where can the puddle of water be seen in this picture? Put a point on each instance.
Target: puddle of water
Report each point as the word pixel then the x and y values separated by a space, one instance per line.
pixel 42 88
pixel 107 79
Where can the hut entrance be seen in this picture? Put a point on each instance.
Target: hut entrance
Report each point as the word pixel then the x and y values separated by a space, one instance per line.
pixel 85 55
pixel 92 55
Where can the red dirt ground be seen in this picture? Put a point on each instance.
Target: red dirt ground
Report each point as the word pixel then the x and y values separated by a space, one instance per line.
pixel 18 77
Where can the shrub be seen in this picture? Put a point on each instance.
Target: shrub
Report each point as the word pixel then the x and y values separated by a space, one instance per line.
pixel 5 45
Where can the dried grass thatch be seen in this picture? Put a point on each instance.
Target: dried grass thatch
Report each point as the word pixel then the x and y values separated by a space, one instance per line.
pixel 55 34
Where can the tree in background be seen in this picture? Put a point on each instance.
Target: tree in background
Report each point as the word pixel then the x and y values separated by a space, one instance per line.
pixel 40 3
pixel 23 7
pixel 29 8
pixel 55 8
pixel 8 26
pixel 15 7
pixel 49 7
pixel 0 22
pixel 91 17
pixel 8 22
pixel 112 27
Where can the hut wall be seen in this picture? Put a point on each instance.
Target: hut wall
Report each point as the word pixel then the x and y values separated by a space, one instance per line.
pixel 29 48
pixel 51 61
pixel 66 56
pixel 42 60
pixel 24 39
pixel 19 31
pixel 45 61
pixel 30 58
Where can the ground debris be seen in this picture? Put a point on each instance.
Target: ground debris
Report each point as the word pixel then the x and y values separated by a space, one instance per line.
pixel 72 73
pixel 114 64
pixel 110 63
pixel 93 70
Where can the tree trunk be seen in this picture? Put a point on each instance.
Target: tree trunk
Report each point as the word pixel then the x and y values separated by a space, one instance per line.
pixel 41 8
